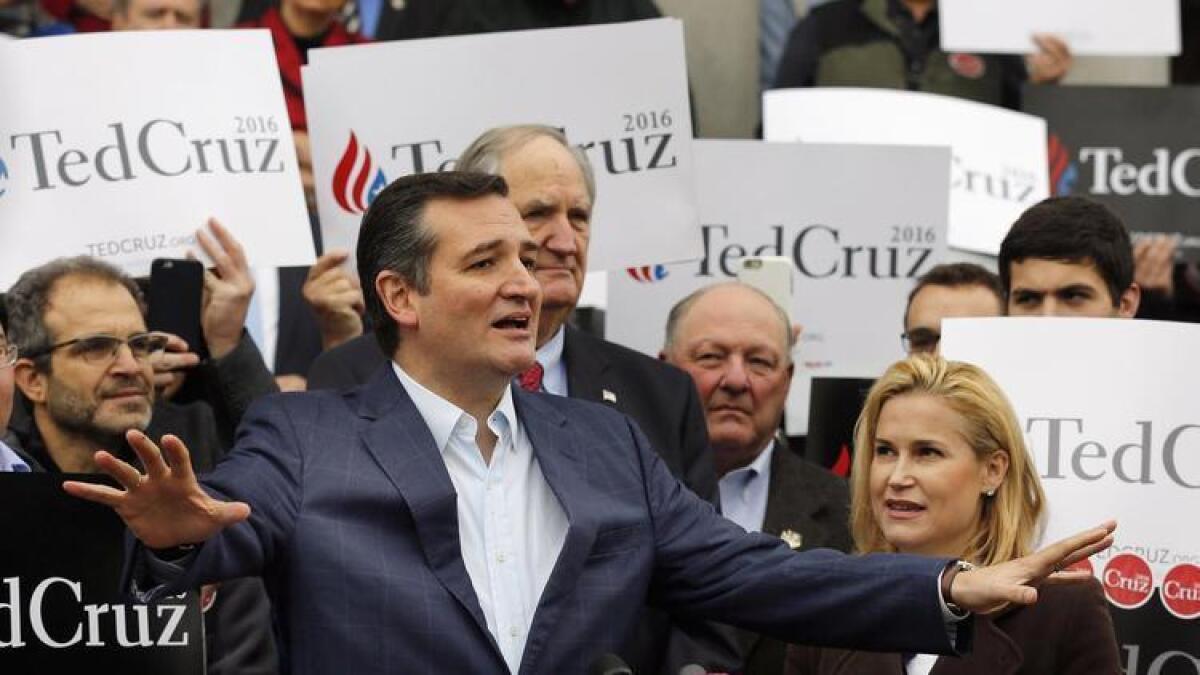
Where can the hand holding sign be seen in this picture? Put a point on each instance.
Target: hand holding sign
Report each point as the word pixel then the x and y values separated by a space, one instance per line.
pixel 165 507
pixel 227 291
pixel 989 589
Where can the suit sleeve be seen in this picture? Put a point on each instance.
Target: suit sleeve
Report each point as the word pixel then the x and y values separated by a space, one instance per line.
pixel 264 470
pixel 700 473
pixel 707 566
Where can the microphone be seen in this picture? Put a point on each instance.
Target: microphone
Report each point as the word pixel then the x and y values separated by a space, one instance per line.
pixel 609 664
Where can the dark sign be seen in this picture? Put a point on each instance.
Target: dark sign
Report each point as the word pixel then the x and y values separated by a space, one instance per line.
pixel 1134 149
pixel 832 411
pixel 61 606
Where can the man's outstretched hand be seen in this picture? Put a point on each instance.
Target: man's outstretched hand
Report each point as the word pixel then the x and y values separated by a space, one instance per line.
pixel 165 507
pixel 989 589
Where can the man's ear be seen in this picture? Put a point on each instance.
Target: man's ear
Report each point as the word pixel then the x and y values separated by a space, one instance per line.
pixel 1127 304
pixel 399 299
pixel 30 380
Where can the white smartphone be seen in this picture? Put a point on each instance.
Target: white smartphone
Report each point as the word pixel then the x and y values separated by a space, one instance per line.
pixel 771 275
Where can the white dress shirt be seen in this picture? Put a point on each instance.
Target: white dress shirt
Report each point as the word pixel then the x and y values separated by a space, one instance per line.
pixel 744 491
pixel 920 664
pixel 554 375
pixel 511 527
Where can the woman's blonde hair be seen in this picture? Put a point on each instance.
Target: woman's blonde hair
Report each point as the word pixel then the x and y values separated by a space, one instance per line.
pixel 1010 521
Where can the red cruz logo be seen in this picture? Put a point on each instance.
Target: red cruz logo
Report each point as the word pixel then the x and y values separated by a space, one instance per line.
pixel 1128 581
pixel 351 177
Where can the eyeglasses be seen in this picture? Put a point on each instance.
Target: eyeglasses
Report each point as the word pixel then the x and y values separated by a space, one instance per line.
pixel 920 340
pixel 8 355
pixel 103 348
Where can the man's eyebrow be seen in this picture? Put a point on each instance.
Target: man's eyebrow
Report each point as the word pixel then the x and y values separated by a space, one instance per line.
pixel 1076 288
pixel 484 247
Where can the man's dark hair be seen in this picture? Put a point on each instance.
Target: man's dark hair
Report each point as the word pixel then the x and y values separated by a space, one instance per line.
pixel 1071 230
pixel 27 300
pixel 956 275
pixel 393 236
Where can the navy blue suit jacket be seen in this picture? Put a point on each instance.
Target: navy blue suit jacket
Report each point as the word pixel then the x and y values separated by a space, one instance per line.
pixel 355 531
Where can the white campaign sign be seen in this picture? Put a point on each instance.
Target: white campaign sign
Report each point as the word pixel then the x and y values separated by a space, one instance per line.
pixel 121 145
pixel 999 167
pixel 1109 410
pixel 1142 28
pixel 377 112
pixel 859 222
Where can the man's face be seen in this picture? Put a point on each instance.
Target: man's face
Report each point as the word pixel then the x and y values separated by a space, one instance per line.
pixel 159 15
pixel 1040 287
pixel 6 384
pixel 549 191
pixel 733 345
pixel 95 398
pixel 480 313
pixel 933 303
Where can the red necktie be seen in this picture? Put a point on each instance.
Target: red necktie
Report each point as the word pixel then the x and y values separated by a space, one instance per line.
pixel 531 378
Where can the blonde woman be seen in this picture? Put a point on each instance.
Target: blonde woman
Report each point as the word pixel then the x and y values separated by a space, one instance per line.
pixel 941 469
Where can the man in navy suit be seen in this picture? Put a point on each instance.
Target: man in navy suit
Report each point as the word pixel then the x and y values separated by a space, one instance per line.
pixel 439 519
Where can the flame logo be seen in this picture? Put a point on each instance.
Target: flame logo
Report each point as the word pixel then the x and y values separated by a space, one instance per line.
pixel 354 169
pixel 1063 171
pixel 647 273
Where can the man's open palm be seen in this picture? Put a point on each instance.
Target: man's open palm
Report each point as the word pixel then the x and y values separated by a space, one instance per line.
pixel 165 507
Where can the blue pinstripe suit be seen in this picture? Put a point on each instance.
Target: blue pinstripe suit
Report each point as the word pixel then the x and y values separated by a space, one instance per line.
pixel 354 528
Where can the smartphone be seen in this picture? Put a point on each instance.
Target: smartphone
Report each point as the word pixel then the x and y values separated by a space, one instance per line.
pixel 771 275
pixel 176 293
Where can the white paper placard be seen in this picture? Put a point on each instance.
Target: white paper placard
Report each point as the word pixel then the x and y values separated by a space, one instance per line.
pixel 384 110
pixel 1109 410
pixel 1142 28
pixel 999 167
pixel 860 222
pixel 121 145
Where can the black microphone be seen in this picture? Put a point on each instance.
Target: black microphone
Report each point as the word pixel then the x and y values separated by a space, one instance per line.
pixel 609 664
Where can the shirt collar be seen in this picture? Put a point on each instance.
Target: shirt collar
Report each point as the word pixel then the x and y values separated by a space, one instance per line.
pixel 442 416
pixel 550 354
pixel 760 466
pixel 10 461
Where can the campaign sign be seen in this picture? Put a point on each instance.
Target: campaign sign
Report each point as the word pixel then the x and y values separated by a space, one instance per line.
pixel 999 164
pixel 61 605
pixel 377 112
pixel 1134 149
pixel 121 145
pixel 859 222
pixel 1144 28
pixel 1109 412
pixel 834 406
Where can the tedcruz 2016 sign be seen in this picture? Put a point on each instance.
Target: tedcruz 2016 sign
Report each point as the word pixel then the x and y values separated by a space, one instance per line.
pixel 1131 148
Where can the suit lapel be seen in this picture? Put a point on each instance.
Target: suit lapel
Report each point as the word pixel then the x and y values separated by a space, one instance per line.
pixel 586 367
pixel 565 470
pixel 397 437
pixel 788 494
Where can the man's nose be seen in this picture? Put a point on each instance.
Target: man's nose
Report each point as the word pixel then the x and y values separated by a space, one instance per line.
pixel 735 377
pixel 560 237
pixel 125 361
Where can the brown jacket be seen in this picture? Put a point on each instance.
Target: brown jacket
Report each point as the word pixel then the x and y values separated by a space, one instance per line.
pixel 1068 632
